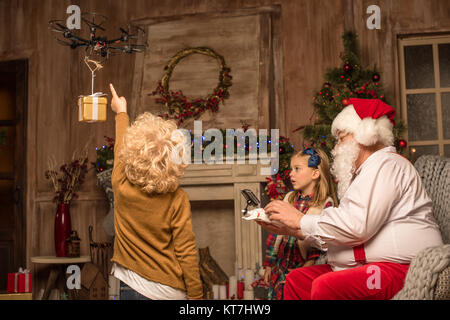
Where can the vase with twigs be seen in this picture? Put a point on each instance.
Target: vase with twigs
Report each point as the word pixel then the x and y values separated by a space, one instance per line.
pixel 65 181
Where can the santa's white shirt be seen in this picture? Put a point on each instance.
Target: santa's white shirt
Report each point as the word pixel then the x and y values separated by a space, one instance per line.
pixel 386 208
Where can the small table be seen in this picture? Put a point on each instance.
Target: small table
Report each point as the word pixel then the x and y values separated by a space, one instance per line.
pixel 15 296
pixel 56 272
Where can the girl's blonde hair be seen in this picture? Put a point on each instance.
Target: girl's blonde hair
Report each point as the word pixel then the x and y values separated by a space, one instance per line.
pixel 147 154
pixel 324 186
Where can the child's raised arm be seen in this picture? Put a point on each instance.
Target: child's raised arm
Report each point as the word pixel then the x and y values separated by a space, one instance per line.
pixel 118 104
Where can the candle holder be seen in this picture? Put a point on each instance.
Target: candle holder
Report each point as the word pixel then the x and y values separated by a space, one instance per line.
pixel 73 245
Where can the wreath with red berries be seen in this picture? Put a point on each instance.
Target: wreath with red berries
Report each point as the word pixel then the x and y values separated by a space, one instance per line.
pixel 179 107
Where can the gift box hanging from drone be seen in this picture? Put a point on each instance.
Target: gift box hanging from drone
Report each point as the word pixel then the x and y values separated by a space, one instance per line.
pixel 93 107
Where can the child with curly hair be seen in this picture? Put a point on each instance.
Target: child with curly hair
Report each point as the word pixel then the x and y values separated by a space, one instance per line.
pixel 155 252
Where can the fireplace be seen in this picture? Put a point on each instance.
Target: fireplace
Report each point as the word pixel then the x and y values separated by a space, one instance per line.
pixel 215 189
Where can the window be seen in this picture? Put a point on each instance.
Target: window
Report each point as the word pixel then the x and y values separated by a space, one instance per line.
pixel 425 94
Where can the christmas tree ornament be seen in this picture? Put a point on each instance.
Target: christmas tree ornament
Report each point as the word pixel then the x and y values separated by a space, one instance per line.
pixel 402 143
pixel 348 68
pixel 376 77
pixel 327 85
pixel 345 102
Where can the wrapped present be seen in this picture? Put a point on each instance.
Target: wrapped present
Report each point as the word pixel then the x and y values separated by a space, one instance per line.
pixel 260 289
pixel 92 108
pixel 20 281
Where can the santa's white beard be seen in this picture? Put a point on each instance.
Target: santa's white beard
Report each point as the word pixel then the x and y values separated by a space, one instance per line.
pixel 343 168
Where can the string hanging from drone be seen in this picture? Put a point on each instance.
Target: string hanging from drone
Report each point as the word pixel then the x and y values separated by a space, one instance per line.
pixel 92 108
pixel 96 66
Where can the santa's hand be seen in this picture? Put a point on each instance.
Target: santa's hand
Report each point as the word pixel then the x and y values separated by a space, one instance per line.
pixel 277 229
pixel 285 213
pixel 118 104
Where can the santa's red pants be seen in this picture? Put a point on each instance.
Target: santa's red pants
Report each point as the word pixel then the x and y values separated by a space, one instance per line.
pixel 374 281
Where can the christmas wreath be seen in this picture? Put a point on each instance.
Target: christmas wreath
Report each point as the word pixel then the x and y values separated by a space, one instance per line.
pixel 178 106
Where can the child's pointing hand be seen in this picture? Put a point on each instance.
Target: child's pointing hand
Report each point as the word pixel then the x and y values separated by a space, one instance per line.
pixel 118 104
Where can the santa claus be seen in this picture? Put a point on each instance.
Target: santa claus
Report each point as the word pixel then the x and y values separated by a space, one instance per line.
pixel 383 220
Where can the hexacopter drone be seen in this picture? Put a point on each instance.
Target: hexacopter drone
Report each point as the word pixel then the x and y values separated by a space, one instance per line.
pixel 99 45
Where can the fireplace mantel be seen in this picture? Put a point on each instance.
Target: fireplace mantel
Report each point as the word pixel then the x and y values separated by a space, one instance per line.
pixel 204 182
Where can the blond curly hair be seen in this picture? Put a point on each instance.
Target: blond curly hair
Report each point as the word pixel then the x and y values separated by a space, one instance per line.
pixel 147 153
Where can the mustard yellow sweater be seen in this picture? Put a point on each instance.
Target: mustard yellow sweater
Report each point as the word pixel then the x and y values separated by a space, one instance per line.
pixel 154 236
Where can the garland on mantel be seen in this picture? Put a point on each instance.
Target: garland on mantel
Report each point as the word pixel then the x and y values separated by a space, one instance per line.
pixel 179 107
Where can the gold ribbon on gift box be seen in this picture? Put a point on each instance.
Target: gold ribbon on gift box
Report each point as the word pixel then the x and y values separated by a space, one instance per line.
pixel 92 108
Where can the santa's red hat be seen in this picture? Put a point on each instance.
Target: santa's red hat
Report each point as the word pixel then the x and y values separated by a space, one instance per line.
pixel 369 120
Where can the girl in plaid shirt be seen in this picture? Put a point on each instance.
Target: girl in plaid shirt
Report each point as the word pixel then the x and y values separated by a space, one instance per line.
pixel 313 191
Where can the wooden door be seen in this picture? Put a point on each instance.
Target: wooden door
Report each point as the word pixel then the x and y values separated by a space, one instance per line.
pixel 13 99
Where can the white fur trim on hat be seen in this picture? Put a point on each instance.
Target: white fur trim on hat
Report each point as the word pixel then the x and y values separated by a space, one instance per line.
pixel 367 131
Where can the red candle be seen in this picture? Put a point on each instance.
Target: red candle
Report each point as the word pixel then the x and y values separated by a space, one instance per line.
pixel 240 290
pixel 228 290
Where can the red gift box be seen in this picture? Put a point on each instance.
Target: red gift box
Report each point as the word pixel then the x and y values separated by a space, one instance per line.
pixel 20 281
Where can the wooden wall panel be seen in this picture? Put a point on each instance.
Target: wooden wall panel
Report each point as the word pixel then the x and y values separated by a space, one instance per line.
pixel 235 38
pixel 312 33
pixel 399 18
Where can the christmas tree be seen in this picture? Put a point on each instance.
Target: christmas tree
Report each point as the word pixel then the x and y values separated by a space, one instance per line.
pixel 350 80
pixel 105 156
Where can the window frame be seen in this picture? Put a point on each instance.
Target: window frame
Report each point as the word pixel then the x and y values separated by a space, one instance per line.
pixel 434 41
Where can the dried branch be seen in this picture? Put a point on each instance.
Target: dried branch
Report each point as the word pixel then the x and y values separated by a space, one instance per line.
pixel 70 177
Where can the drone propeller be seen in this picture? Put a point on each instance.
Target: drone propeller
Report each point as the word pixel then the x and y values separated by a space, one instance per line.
pixel 134 31
pixel 130 48
pixel 127 35
pixel 92 24
pixel 61 26
pixel 72 45
pixel 64 43
pixel 138 47
pixel 54 25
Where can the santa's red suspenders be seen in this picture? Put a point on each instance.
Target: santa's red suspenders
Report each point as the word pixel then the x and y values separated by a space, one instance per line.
pixel 360 254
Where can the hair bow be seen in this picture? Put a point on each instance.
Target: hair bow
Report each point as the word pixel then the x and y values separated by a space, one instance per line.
pixel 314 159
